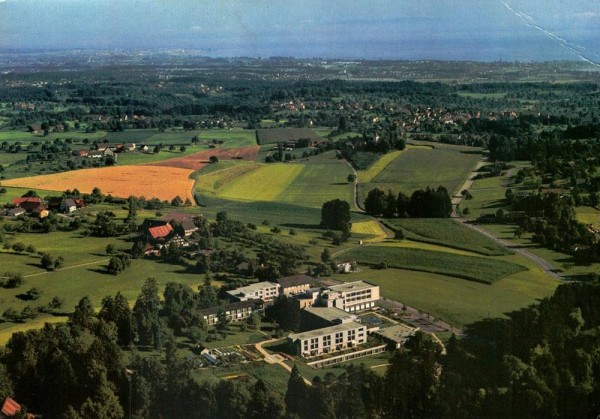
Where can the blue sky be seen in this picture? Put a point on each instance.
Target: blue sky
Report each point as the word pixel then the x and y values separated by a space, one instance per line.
pixel 406 29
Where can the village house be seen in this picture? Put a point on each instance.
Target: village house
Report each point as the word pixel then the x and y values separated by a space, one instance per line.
pixel 234 312
pixel 68 206
pixel 186 221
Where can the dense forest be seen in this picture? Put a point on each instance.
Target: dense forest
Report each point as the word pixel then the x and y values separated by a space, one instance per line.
pixel 541 361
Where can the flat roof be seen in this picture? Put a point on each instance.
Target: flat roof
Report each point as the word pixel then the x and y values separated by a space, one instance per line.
pixel 331 314
pixel 253 288
pixel 352 286
pixel 326 331
pixel 294 281
pixel 397 332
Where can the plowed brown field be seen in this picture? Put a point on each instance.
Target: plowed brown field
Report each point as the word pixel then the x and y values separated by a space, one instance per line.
pixel 121 181
pixel 198 160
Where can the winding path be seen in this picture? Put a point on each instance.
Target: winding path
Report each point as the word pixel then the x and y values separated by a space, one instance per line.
pixel 457 198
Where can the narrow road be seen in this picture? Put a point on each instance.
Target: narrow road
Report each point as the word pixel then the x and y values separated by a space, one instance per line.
pixel 543 264
pixel 356 203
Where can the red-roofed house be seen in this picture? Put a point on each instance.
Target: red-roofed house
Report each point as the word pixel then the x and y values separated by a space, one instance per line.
pixel 11 408
pixel 160 232
pixel 26 199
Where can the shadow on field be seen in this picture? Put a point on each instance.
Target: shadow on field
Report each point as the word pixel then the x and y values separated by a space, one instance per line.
pixel 99 271
pixel 298 225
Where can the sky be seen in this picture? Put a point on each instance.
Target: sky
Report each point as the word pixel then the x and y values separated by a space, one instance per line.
pixel 481 30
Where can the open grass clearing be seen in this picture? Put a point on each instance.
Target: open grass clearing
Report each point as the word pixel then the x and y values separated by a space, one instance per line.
pixel 423 246
pixel 498 95
pixel 446 232
pixel 588 215
pixel 263 184
pixel 319 183
pixel 232 138
pixel 418 167
pixel 8 328
pixel 283 135
pixel 160 182
pixel 124 159
pixel 480 269
pixel 369 174
pixel 301 184
pixel 372 229
pixel 459 302
pixel 219 178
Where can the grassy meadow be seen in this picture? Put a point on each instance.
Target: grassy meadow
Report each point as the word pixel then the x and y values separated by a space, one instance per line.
pixel 419 167
pixel 456 301
pixel 446 232
pixel 300 184
pixel 479 269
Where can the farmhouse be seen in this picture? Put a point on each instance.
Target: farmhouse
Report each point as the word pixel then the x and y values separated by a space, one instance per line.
pixel 234 312
pixel 292 285
pixel 68 205
pixel 266 291
pixel 186 221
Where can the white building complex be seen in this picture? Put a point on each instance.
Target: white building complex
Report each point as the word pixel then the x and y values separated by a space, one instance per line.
pixel 350 296
pixel 266 291
pixel 344 332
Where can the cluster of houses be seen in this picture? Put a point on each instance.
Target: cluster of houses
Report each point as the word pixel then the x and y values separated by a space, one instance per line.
pixel 328 314
pixel 39 208
pixel 107 149
pixel 172 229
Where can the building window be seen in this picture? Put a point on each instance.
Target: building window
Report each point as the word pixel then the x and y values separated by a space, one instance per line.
pixel 314 343
pixel 326 341
pixel 339 338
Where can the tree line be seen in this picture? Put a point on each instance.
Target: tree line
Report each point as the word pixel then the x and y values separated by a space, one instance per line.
pixel 423 203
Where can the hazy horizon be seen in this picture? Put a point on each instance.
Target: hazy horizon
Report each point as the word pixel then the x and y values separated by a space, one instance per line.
pixel 508 30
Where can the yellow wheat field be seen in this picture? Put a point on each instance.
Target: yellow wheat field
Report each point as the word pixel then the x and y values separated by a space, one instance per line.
pixel 150 181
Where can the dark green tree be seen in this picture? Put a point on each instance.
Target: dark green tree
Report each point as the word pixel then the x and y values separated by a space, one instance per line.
pixel 375 203
pixel 297 395
pixel 335 215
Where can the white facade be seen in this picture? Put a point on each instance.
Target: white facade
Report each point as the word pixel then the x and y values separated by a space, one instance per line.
pixel 352 296
pixel 266 291
pixel 329 339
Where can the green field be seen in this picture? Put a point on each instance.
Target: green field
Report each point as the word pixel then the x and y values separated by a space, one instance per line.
pixel 588 215
pixel 479 269
pixel 446 232
pixel 419 167
pixel 300 184
pixel 232 138
pixel 367 176
pixel 124 159
pixel 212 178
pixel 459 302
pixel 282 135
pixel 483 95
